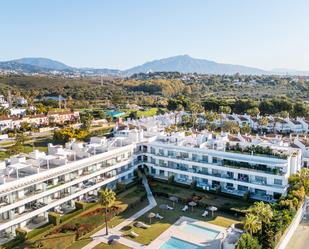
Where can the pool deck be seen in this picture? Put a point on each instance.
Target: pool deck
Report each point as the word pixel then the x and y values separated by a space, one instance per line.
pixel 176 231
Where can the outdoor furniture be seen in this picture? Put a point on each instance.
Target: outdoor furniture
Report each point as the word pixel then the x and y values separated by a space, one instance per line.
pixel 141 224
pixel 150 216
pixel 213 209
pixel 165 207
pixel 205 213
pixel 158 216
pixel 173 199
pixel 169 208
pixel 192 204
pixel 185 208
pixel 134 234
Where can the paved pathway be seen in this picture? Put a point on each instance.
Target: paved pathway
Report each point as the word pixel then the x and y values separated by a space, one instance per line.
pixel 114 233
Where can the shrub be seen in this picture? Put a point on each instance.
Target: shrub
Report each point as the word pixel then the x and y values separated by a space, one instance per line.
pixel 21 234
pixel 54 218
pixel 80 205
pixel 120 187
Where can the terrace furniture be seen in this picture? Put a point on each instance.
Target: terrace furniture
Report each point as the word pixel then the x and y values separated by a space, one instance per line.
pixel 141 224
pixel 185 208
pixel 134 234
pixel 158 216
pixel 205 213
pixel 169 208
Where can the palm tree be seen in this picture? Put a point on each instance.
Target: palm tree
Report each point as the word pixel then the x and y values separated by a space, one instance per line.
pixel 263 211
pixel 252 224
pixel 107 199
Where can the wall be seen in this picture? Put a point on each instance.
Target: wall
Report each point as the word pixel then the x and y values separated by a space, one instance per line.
pixel 291 229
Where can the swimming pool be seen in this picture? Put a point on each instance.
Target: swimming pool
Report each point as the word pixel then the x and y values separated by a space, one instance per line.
pixel 174 243
pixel 200 231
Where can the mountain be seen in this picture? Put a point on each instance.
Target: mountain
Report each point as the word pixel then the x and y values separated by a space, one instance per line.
pixel 187 64
pixel 43 63
pixel 181 63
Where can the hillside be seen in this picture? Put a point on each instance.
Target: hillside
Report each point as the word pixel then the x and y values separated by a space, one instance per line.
pixel 187 64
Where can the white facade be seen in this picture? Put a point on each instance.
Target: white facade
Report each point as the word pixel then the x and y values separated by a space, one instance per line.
pixel 32 186
pixel 206 160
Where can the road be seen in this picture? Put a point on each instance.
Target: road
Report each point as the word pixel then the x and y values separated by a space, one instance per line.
pixel 300 238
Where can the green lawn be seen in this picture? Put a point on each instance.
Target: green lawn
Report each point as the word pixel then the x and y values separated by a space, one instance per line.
pixel 150 112
pixel 117 246
pixel 146 236
pixel 207 198
pixel 124 201
pixel 29 146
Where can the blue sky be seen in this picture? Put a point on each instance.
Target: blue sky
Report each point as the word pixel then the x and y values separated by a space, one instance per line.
pixel 123 33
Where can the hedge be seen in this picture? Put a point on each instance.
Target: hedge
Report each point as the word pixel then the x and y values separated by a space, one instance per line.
pixel 33 233
pixel 21 234
pixel 80 205
pixel 54 218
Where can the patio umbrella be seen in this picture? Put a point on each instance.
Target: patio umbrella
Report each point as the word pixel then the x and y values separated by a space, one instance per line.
pixel 173 199
pixel 192 204
pixel 213 209
pixel 150 216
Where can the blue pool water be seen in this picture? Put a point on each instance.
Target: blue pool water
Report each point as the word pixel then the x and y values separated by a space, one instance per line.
pixel 200 231
pixel 174 243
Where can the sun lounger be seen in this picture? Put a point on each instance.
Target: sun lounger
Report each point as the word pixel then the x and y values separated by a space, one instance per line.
pixel 141 224
pixel 158 216
pixel 134 234
pixel 170 208
pixel 205 213
pixel 185 208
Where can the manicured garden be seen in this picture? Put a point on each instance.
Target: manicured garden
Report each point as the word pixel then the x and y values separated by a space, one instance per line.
pixel 158 226
pixel 75 231
pixel 224 202
pixel 116 246
pixel 230 210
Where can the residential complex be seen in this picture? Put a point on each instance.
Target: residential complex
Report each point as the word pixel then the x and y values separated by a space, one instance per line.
pixel 35 184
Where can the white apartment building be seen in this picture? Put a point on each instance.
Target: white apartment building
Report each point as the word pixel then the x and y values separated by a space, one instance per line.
pixel 206 159
pixel 303 144
pixel 33 185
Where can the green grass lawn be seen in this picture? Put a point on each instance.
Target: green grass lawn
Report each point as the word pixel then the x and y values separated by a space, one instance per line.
pixel 150 112
pixel 67 240
pixel 117 246
pixel 29 146
pixel 146 236
pixel 208 198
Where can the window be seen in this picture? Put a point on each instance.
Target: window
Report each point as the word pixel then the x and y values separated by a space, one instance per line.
pixel 277 181
pixel 152 150
pixel 242 188
pixel 194 157
pixel 260 179
pixel 184 155
pixel 205 159
pixel 161 152
pixel 170 153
